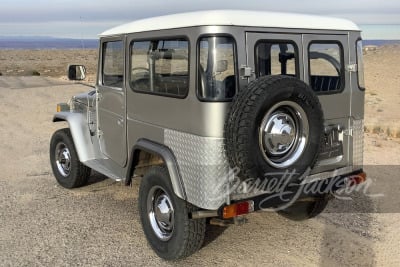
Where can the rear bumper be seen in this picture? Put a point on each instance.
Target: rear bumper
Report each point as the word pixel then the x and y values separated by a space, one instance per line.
pixel 285 196
pixel 320 187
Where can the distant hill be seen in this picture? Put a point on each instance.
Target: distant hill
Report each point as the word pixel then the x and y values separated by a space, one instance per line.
pixel 380 42
pixel 65 43
pixel 46 43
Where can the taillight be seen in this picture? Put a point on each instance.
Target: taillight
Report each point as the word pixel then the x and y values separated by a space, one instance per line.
pixel 237 209
pixel 357 179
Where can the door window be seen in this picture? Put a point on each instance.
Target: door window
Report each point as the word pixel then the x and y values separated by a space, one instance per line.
pixel 113 64
pixel 326 67
pixel 276 58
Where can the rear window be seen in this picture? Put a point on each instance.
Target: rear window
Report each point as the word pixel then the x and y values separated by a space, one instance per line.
pixel 326 67
pixel 160 67
pixel 276 58
pixel 216 68
pixel 360 65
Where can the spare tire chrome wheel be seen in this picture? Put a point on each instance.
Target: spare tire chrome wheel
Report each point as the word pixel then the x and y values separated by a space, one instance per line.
pixel 274 126
pixel 283 134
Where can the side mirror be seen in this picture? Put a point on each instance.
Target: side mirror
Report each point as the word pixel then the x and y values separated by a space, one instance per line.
pixel 76 72
pixel 221 66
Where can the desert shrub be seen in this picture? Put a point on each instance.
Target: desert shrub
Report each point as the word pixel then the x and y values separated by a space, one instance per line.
pixel 34 73
pixel 376 130
pixel 389 132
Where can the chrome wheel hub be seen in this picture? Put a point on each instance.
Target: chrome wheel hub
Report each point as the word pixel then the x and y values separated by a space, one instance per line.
pixel 279 133
pixel 161 213
pixel 283 134
pixel 63 159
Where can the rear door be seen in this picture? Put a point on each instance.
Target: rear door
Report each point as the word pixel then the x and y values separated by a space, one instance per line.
pixel 318 60
pixel 324 70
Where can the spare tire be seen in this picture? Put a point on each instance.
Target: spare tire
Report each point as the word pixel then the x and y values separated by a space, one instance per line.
pixel 274 125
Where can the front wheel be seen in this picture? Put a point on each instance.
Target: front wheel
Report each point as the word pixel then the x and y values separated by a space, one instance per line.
pixel 67 168
pixel 165 217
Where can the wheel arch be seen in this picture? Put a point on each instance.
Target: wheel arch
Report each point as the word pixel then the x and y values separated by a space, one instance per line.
pixel 167 157
pixel 80 132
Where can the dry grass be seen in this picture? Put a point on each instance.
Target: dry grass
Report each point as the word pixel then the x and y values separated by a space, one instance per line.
pixel 384 131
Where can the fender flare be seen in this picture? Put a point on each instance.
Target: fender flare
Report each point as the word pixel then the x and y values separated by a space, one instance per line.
pixel 169 159
pixel 80 134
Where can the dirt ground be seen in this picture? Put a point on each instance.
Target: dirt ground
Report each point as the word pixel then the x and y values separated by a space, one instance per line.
pixel 98 225
pixel 47 63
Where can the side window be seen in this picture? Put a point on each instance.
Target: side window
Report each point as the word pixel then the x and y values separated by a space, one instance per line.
pixel 326 67
pixel 360 65
pixel 276 58
pixel 113 64
pixel 160 67
pixel 216 68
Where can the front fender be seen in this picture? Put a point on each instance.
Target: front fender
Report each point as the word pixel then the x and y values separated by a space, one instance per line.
pixel 84 145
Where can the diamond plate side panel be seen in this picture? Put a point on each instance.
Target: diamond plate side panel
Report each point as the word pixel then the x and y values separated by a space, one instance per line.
pixel 358 143
pixel 203 166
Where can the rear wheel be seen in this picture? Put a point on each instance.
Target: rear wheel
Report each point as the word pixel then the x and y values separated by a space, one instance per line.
pixel 304 210
pixel 67 168
pixel 165 217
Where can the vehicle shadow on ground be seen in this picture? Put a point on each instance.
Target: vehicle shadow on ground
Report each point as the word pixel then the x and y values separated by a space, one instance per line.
pixel 355 246
pixel 212 233
pixel 96 177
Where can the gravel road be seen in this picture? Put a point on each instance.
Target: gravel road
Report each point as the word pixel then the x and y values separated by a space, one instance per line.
pixel 43 224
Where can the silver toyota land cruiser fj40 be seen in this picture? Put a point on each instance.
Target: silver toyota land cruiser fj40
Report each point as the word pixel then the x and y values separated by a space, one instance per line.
pixel 222 113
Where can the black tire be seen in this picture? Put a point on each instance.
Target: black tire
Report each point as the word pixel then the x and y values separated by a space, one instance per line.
pixel 301 211
pixel 186 236
pixel 69 173
pixel 242 126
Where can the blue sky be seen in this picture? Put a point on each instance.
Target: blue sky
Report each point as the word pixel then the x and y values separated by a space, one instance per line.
pixel 379 19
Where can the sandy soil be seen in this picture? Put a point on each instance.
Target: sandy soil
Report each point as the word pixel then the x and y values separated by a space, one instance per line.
pixel 47 63
pixel 382 77
pixel 98 225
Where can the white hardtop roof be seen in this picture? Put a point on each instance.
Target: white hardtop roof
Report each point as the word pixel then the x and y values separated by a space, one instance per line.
pixel 236 18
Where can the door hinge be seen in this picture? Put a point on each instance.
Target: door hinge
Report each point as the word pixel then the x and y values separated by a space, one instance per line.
pixel 99 133
pixel 352 67
pixel 348 132
pixel 245 72
pixel 99 96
